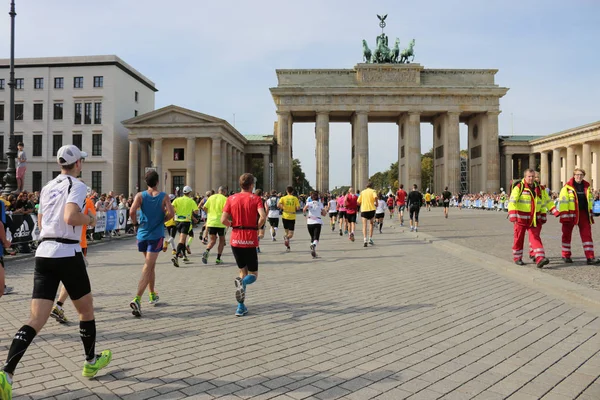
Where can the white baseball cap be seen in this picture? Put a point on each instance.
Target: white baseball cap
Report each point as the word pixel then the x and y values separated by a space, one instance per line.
pixel 69 154
pixel 187 189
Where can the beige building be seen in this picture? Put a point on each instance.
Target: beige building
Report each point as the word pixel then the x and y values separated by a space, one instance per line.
pixel 78 100
pixel 555 155
pixel 190 148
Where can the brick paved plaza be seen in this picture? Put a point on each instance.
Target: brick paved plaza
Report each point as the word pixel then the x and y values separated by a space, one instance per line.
pixel 407 318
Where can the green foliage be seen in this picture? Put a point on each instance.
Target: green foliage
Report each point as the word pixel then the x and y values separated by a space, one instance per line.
pixel 427 170
pixel 300 183
pixel 383 180
pixel 256 169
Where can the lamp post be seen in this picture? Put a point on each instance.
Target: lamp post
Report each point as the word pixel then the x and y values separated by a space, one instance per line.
pixel 10 179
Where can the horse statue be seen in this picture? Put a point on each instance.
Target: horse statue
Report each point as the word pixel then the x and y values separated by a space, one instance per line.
pixel 382 52
pixel 395 52
pixel 408 52
pixel 366 52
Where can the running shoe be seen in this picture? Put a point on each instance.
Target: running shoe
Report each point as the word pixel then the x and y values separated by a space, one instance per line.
pixel 102 360
pixel 568 260
pixel 174 252
pixel 519 262
pixel 136 308
pixel 365 244
pixel 341 234
pixel 185 259
pixel 8 289
pixel 241 310
pixel 593 261
pixel 401 224
pixel 542 262
pixel 187 248
pixel 286 241
pixel 288 249
pixel 205 241
pixel 59 314
pixel 412 229
pixel 416 229
pixel 313 251
pixel 240 290
pixel 532 257
pixel 165 246
pixel 333 228
pixel 345 232
pixel 351 237
pixel 175 261
pixel 205 257
pixel 219 261
pixel 5 387
pixel 153 298
pixel 273 239
pixel 371 241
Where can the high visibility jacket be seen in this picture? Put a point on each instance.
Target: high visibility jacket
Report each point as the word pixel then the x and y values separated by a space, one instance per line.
pixel 528 206
pixel 568 205
pixel 547 205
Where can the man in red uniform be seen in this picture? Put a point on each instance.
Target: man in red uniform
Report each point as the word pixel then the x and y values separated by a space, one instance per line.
pixel 244 213
pixel 401 203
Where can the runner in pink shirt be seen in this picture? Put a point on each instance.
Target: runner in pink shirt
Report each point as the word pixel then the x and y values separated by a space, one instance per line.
pixel 342 212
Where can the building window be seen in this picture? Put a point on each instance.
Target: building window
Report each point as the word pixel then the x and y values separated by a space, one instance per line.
pixel 136 96
pixel 135 113
pixel 178 154
pixel 19 83
pixel 78 141
pixel 2 154
pixel 55 174
pixel 97 144
pixel 56 143
pixel 58 111
pixel 2 83
pixel 36 181
pixel 402 152
pixel 18 112
pixel 98 81
pixel 78 82
pixel 97 113
pixel 38 83
pixel 439 152
pixel 97 181
pixel 1 112
pixel 38 111
pixel 88 114
pixel 59 83
pixel 178 182
pixel 37 145
pixel 77 114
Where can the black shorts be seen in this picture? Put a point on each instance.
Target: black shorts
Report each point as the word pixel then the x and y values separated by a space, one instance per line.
pixel 351 217
pixel 246 257
pixel 381 215
pixel 342 214
pixel 274 222
pixel 289 224
pixel 50 272
pixel 446 203
pixel 172 230
pixel 333 214
pixel 368 215
pixel 213 230
pixel 391 209
pixel 184 227
pixel 414 213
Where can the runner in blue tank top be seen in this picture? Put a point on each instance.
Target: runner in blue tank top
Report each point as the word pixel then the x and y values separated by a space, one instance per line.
pixel 154 210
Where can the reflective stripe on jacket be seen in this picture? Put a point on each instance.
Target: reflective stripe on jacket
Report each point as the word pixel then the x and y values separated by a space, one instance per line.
pixel 525 206
pixel 568 205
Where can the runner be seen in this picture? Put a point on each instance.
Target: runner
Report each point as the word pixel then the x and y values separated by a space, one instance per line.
pixel 446 195
pixel 171 226
pixel 204 231
pixel 351 205
pixel 332 209
pixel 241 213
pixel 428 200
pixel 314 222
pixel 272 206
pixel 184 207
pixel 58 258
pixel 380 212
pixel 289 204
pixel 390 204
pixel 414 202
pixel 368 205
pixel 401 203
pixel 342 212
pixel 214 209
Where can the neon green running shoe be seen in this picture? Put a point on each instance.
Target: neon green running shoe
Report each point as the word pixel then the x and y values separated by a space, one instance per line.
pixel 219 261
pixel 102 360
pixel 5 387
pixel 153 298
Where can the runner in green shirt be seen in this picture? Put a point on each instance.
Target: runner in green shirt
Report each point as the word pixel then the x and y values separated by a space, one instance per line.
pixel 214 209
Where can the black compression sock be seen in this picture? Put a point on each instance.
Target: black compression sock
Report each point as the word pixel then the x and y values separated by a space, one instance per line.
pixel 20 343
pixel 218 256
pixel 59 303
pixel 87 331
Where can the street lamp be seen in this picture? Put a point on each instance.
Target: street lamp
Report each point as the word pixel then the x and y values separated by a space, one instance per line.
pixel 10 180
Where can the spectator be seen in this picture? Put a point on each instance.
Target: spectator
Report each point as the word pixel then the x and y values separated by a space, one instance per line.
pixel 21 166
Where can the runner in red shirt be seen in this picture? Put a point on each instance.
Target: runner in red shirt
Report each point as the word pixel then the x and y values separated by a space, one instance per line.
pixel 401 203
pixel 244 213
pixel 390 205
pixel 351 208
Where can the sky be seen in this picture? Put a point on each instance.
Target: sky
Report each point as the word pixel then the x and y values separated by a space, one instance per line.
pixel 219 57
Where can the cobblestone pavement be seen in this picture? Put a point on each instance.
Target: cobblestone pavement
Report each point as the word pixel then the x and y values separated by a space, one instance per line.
pixel 491 232
pixel 405 318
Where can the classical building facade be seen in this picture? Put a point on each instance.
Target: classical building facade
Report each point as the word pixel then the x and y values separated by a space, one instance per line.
pixel 555 155
pixel 79 100
pixel 190 148
pixel 405 94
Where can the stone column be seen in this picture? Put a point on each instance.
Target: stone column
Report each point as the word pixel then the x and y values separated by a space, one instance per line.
pixel 555 170
pixel 144 162
pixel 570 165
pixel 133 165
pixel 544 168
pixel 586 160
pixel 362 150
pixel 452 153
pixel 353 165
pixel 266 173
pixel 158 161
pixel 235 169
pixel 284 162
pixel 322 131
pixel 491 182
pixel 215 163
pixel 532 161
pixel 229 181
pixel 400 144
pixel 412 152
pixel 508 165
pixel 223 180
pixel 190 157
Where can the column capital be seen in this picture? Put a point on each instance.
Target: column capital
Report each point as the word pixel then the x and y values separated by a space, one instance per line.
pixel 157 140
pixel 284 113
pixel 323 113
pixel 134 140
pixel 492 113
pixel 453 113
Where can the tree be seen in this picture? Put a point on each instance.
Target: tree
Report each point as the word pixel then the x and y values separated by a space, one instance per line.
pixel 426 172
pixel 300 183
pixel 384 180
pixel 256 169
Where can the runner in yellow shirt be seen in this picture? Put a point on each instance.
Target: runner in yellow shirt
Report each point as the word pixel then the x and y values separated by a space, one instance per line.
pixel 184 207
pixel 214 209
pixel 290 205
pixel 368 205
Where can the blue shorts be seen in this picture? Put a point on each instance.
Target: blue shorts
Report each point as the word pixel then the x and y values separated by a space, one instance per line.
pixel 150 246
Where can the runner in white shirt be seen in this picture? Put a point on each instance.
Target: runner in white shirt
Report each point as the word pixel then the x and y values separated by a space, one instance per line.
pixel 58 259
pixel 332 208
pixel 273 213
pixel 380 211
pixel 314 213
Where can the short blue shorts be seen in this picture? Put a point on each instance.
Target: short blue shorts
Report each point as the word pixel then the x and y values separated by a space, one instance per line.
pixel 150 246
